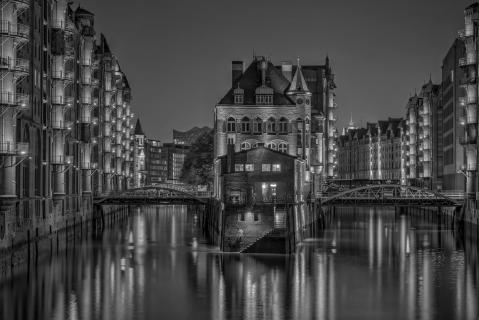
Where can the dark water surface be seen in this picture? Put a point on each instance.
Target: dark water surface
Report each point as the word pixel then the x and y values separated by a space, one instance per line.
pixel 369 265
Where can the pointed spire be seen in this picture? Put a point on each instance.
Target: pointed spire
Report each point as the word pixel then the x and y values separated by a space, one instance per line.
pixel 298 84
pixel 138 129
pixel 351 122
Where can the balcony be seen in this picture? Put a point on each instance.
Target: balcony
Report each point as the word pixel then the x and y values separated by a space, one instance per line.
pixel 86 81
pixel 57 24
pixel 466 61
pixel 14 99
pixel 85 99
pixel 69 26
pixel 467 100
pixel 464 81
pixel 15 30
pixel 60 125
pixel 86 119
pixel 62 75
pixel 85 62
pixel 470 167
pixel 61 159
pixel 69 50
pixel 15 65
pixel 25 3
pixel 11 148
pixel 467 141
pixel 463 33
pixel 86 165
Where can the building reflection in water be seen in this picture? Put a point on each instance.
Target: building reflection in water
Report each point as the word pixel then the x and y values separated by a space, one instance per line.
pixel 368 263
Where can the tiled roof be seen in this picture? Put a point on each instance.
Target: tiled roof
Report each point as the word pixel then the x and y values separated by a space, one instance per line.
pixel 251 79
pixel 82 11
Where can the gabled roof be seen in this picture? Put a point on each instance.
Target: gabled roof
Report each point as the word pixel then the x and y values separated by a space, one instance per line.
pixel 251 79
pixel 138 129
pixel 472 6
pixel 84 12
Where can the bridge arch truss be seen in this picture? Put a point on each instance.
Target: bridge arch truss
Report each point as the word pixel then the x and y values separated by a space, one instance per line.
pixel 389 195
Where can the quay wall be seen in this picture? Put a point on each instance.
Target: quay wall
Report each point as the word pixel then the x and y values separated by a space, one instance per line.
pixel 239 228
pixel 29 233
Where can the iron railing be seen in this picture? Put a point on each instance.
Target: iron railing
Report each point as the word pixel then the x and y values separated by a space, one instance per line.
pixel 14 29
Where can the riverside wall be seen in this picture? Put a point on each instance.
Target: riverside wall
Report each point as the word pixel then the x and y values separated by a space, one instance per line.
pixel 32 237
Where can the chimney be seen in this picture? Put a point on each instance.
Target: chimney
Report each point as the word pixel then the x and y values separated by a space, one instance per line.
pixel 287 70
pixel 236 70
pixel 230 154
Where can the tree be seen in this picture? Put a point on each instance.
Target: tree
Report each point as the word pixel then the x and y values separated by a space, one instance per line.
pixel 198 165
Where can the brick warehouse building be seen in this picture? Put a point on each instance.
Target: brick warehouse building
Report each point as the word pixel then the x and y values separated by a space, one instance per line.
pixel 260 175
pixel 373 153
pixel 66 118
pixel 285 108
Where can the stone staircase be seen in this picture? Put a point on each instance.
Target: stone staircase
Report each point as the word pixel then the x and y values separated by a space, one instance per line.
pixel 272 241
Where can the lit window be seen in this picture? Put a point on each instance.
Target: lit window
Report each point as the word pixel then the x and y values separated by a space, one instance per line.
pixel 249 167
pixel 266 167
pixel 245 146
pixel 283 147
pixel 239 167
pixel 231 125
pixel 271 125
pixel 276 168
pixel 272 146
pixel 258 126
pixel 238 99
pixel 245 125
pixel 283 126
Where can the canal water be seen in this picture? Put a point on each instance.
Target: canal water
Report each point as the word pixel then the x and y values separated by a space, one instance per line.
pixel 366 264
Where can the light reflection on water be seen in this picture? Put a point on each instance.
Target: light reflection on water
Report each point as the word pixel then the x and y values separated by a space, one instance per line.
pixel 156 265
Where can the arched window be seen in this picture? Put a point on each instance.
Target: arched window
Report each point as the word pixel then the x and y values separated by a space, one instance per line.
pixel 299 135
pixel 283 147
pixel 307 124
pixel 299 123
pixel 283 125
pixel 271 125
pixel 272 146
pixel 231 125
pixel 245 146
pixel 258 126
pixel 245 125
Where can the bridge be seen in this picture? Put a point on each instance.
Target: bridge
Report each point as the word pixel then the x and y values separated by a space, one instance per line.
pixel 389 195
pixel 155 195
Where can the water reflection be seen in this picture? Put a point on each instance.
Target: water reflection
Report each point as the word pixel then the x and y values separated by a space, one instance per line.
pixel 369 264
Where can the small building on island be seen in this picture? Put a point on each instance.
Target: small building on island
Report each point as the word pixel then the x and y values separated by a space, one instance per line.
pixel 259 176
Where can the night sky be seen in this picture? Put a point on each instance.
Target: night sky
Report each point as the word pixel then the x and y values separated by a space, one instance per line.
pixel 177 54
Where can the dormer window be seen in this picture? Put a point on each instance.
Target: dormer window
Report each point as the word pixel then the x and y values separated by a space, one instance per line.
pixel 239 99
pixel 264 99
pixel 264 95
pixel 238 95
